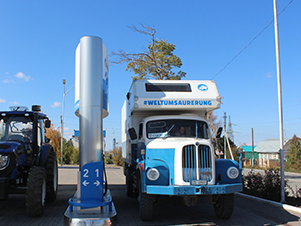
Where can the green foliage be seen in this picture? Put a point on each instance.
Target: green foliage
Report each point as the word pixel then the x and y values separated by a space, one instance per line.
pixel 75 156
pixel 157 61
pixel 266 186
pixel 108 158
pixel 294 155
pixel 114 157
pixel 70 153
pixel 117 156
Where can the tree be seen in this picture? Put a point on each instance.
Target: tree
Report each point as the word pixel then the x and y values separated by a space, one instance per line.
pixel 108 157
pixel 213 124
pixel 55 139
pixel 234 148
pixel 71 154
pixel 156 62
pixel 213 127
pixel 294 155
pixel 117 156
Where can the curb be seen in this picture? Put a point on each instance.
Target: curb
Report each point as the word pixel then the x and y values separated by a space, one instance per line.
pixel 278 204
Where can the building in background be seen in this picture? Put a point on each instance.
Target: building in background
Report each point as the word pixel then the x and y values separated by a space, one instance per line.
pixel 248 155
pixel 269 152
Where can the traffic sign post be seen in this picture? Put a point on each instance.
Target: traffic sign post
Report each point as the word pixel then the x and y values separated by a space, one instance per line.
pixel 92 182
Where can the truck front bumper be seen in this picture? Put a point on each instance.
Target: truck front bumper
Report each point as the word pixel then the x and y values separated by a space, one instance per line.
pixel 193 190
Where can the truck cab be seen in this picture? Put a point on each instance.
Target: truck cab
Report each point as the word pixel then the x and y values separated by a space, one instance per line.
pixel 167 146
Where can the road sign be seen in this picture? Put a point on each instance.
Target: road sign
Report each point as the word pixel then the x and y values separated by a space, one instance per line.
pixel 92 182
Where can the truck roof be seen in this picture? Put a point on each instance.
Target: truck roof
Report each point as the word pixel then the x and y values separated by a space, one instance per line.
pixel 20 113
pixel 185 96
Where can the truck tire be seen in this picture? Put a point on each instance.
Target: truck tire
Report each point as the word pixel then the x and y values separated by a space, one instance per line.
pixel 129 183
pixel 51 177
pixel 146 206
pixel 224 206
pixel 36 191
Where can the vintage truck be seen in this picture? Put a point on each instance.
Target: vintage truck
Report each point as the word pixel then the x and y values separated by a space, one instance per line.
pixel 167 147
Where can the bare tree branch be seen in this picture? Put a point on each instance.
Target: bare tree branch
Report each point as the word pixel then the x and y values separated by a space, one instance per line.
pixel 156 61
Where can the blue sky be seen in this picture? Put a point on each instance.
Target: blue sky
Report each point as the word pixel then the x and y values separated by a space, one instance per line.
pixel 39 38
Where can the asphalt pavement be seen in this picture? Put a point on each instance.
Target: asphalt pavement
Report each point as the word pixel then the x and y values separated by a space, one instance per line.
pixel 247 211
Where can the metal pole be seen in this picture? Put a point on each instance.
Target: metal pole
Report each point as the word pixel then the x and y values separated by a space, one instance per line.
pixel 279 100
pixel 62 123
pixel 225 144
pixel 92 58
pixel 252 148
pixel 62 120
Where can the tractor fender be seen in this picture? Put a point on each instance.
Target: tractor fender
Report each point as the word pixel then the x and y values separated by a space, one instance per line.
pixel 45 153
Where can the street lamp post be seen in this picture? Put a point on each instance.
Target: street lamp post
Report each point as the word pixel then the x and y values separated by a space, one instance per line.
pixel 279 101
pixel 62 120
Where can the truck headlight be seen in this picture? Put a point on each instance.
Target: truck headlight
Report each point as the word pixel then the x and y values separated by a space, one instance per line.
pixel 232 172
pixel 152 174
pixel 4 161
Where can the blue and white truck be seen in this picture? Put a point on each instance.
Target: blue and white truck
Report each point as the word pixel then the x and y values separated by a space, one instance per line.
pixel 167 149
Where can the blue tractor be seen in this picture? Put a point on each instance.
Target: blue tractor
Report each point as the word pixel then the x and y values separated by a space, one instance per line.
pixel 28 163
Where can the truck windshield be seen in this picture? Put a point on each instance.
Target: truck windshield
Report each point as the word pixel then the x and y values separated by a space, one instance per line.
pixel 16 129
pixel 181 128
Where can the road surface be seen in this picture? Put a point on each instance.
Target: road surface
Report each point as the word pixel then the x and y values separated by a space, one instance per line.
pixel 246 212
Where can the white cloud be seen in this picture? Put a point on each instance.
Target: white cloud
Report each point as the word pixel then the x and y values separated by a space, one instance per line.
pixel 22 76
pixel 15 103
pixel 8 81
pixel 2 100
pixel 66 129
pixel 268 75
pixel 55 104
pixel 68 134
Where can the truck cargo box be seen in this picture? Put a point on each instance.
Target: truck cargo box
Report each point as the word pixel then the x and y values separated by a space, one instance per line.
pixel 188 96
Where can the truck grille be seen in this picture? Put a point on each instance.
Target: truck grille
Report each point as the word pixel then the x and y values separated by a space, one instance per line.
pixel 197 165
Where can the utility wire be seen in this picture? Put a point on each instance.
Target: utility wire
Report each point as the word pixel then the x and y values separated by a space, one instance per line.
pixel 250 42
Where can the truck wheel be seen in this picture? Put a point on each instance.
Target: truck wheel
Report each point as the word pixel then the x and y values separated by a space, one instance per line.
pixel 146 206
pixel 129 183
pixel 36 191
pixel 224 206
pixel 51 177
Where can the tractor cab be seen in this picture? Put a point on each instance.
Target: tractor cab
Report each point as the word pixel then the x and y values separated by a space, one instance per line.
pixel 27 162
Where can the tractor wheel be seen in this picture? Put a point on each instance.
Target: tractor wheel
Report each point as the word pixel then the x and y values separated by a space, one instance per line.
pixel 224 206
pixel 36 191
pixel 129 183
pixel 146 206
pixel 51 177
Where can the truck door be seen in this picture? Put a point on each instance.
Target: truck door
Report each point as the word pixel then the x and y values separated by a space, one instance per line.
pixel 141 140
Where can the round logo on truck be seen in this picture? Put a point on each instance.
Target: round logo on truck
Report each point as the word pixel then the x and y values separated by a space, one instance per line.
pixel 203 87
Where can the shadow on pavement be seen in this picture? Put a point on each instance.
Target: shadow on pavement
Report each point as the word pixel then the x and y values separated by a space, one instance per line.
pixel 13 212
pixel 246 212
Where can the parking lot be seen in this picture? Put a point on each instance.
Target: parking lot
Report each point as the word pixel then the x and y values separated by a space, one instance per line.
pixel 246 211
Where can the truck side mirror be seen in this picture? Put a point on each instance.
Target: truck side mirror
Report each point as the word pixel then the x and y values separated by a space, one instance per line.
pixel 47 140
pixel 47 123
pixel 219 132
pixel 133 133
